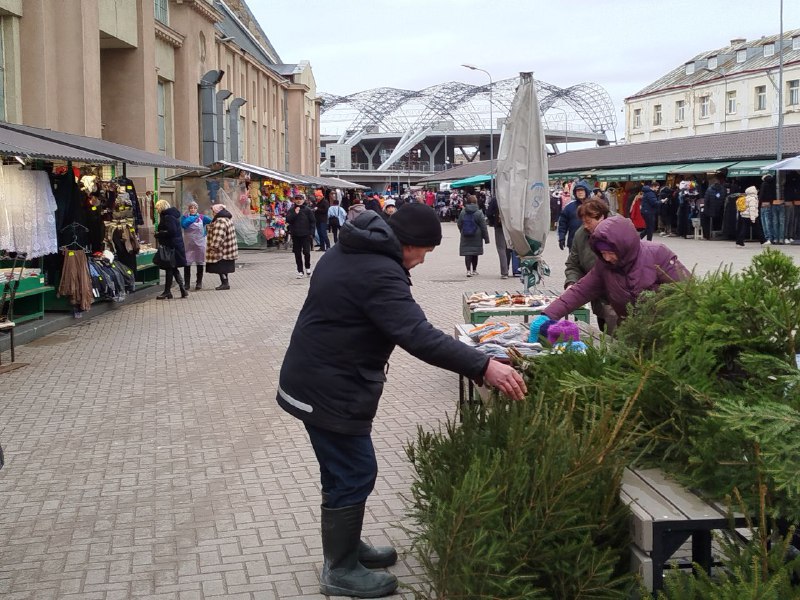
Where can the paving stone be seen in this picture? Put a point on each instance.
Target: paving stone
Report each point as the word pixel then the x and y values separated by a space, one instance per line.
pixel 147 458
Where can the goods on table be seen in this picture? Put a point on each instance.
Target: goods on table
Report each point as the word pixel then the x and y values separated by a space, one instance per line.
pixel 508 299
pixel 496 338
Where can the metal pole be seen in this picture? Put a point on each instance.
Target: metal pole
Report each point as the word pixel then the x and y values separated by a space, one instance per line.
pixel 780 109
pixel 491 139
pixel 491 126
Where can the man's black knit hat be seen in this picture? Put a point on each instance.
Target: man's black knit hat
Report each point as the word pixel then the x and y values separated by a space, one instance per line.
pixel 416 224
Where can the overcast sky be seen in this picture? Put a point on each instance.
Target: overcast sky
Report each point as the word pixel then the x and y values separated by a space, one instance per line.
pixel 623 45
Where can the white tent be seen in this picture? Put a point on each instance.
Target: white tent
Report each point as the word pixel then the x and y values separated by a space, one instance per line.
pixel 787 164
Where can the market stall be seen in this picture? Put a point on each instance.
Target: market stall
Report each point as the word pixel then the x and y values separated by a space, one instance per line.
pixel 257 197
pixel 68 207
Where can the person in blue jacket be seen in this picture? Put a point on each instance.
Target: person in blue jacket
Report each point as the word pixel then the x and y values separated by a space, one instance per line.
pixel 650 208
pixel 194 241
pixel 335 367
pixel 568 220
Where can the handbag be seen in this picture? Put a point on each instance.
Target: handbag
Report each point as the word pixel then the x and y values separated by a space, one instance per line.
pixel 164 258
pixel 333 221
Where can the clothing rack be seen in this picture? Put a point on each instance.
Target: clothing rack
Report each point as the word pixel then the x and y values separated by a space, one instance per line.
pixel 74 227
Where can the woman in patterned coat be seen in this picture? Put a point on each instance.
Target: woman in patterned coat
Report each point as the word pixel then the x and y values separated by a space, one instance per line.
pixel 222 250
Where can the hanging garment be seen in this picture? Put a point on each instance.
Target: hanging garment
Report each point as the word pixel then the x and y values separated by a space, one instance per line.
pixel 67 194
pixel 128 186
pixel 75 281
pixel 27 212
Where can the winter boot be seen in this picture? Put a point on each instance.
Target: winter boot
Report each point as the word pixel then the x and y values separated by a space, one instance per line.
pixel 372 557
pixel 179 280
pixel 376 557
pixel 342 573
pixel 199 285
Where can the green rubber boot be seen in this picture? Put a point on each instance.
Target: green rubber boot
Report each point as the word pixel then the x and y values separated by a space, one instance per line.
pixel 342 573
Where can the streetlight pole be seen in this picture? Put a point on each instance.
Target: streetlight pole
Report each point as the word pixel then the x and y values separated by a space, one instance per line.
pixel 491 128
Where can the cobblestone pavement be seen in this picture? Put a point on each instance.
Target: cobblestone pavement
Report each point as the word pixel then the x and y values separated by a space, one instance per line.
pixel 146 456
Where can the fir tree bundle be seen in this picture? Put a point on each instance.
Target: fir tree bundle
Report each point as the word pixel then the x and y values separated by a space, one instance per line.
pixel 521 500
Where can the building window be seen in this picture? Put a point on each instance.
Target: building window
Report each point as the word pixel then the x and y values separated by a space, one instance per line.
pixel 761 97
pixel 689 68
pixel 637 118
pixel 769 49
pixel 680 111
pixel 793 87
pixel 657 114
pixel 741 55
pixel 796 43
pixel 705 107
pixel 161 11
pixel 161 111
pixel 712 62
pixel 2 74
pixel 730 103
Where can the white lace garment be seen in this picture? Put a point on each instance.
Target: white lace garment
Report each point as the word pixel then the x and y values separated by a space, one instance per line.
pixel 27 212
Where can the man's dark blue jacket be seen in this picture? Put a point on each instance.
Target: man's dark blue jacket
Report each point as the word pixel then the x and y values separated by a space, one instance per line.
pixel 359 307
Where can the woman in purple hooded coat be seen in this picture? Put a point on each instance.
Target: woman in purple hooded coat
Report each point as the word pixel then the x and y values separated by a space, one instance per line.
pixel 626 267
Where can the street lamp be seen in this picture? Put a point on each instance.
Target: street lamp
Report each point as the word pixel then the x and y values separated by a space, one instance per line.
pixel 491 127
pixel 566 138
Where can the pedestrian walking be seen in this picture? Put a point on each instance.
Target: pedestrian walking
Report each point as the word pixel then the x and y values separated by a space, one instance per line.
pixel 336 217
pixel 334 370
pixel 321 217
pixel 169 235
pixel 389 208
pixel 503 252
pixel 568 221
pixel 356 208
pixel 194 241
pixel 302 224
pixel 650 206
pixel 474 233
pixel 222 249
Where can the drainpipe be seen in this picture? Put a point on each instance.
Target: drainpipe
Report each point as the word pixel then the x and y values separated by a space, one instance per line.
pixel 207 84
pixel 234 107
pixel 222 95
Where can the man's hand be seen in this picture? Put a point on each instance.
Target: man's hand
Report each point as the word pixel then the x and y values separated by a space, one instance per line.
pixel 561 244
pixel 506 379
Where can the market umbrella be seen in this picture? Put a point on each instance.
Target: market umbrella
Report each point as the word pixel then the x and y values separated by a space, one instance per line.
pixel 522 185
pixel 474 180
pixel 787 164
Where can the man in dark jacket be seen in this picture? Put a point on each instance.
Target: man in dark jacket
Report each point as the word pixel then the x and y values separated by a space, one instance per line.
pixel 302 224
pixel 568 221
pixel 713 203
pixel 650 207
pixel 321 216
pixel 337 398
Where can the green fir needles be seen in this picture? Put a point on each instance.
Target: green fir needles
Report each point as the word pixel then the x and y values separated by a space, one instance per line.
pixel 521 499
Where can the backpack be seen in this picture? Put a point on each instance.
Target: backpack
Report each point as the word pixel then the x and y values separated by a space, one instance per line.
pixel 468 225
pixel 741 203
